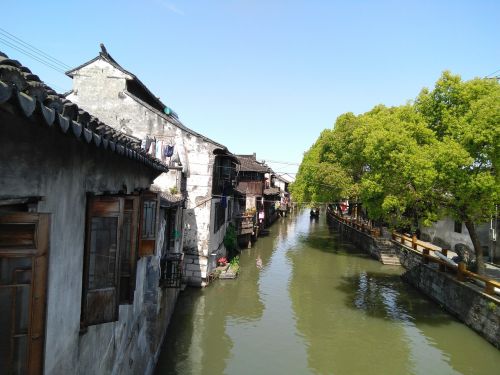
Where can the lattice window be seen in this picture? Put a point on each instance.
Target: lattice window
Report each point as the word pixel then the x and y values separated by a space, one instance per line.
pixel 171 271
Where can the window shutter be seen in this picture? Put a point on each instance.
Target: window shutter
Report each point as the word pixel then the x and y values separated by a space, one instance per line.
pixel 148 228
pixel 24 247
pixel 128 249
pixel 102 250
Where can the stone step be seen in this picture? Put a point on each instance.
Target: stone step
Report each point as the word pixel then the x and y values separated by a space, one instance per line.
pixel 388 252
pixel 390 260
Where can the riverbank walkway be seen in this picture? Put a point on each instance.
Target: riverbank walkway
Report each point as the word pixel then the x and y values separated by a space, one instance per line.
pixel 430 253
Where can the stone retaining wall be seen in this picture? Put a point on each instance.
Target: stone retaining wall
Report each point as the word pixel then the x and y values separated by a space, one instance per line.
pixel 360 239
pixel 464 300
pixel 477 310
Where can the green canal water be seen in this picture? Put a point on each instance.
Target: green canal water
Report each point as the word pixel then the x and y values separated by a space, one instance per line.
pixel 318 306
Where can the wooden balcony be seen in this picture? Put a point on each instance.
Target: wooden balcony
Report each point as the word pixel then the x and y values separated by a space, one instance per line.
pixel 244 225
pixel 251 187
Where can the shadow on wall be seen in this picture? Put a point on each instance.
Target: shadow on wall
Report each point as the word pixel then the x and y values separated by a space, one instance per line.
pixel 192 266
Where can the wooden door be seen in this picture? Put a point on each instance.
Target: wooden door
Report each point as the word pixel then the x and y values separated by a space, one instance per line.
pixel 24 246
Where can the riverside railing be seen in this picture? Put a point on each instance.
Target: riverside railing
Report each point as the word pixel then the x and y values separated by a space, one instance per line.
pixel 425 249
pixel 441 258
pixel 357 223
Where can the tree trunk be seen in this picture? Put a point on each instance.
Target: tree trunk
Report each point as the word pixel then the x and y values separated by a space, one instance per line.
pixel 477 246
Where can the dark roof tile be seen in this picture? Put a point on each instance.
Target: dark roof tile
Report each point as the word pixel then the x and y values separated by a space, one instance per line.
pixel 272 191
pixel 248 163
pixel 172 118
pixel 24 89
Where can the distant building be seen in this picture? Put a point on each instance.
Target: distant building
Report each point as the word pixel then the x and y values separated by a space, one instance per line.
pixel 202 170
pixel 450 234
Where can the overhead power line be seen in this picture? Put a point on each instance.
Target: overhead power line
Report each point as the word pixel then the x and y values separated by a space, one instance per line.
pixel 31 55
pixel 29 50
pixel 282 162
pixel 495 72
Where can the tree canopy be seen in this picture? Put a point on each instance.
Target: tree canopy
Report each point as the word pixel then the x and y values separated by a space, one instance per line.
pixel 436 156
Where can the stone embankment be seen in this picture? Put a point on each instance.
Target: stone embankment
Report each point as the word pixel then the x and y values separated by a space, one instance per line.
pixel 463 299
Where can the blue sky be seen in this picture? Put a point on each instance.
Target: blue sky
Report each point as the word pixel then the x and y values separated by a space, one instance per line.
pixel 265 76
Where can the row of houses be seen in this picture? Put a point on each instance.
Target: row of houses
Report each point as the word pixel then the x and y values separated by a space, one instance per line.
pixel 108 205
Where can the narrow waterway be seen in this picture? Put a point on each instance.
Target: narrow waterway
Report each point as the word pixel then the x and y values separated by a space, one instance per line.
pixel 318 306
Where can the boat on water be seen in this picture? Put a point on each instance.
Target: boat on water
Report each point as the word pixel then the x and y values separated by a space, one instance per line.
pixel 314 213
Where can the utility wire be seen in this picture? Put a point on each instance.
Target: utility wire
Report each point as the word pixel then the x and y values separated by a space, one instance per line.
pixel 488 76
pixel 27 53
pixel 496 71
pixel 281 162
pixel 34 50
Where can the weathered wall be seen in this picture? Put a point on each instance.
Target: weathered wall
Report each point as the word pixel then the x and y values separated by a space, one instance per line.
pixel 360 239
pixel 476 309
pixel 101 89
pixel 36 161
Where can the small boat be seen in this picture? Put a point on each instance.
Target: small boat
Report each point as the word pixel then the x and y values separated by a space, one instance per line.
pixel 314 214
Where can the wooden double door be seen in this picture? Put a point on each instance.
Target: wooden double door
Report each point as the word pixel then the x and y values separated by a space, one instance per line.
pixel 24 245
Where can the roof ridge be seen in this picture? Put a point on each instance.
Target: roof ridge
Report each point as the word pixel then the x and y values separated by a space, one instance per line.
pixel 34 95
pixel 174 121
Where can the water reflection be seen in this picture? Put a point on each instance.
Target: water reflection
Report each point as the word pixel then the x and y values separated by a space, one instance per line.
pixel 318 306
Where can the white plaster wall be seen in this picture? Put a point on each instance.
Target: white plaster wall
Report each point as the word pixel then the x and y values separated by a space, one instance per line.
pixel 251 202
pixel 279 184
pixel 94 82
pixel 62 170
pixel 107 100
pixel 445 229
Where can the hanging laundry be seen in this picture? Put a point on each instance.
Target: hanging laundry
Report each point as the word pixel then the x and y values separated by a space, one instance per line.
pixel 152 148
pixel 148 143
pixel 169 151
pixel 158 149
pixel 163 150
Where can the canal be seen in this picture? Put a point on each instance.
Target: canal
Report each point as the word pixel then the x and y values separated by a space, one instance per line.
pixel 318 306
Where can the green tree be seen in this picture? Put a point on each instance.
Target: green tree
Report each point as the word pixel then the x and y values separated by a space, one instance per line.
pixel 466 119
pixel 398 173
pixel 433 158
pixel 320 178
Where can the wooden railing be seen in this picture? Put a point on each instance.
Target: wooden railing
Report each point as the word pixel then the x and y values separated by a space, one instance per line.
pixel 357 224
pixel 425 249
pixel 460 269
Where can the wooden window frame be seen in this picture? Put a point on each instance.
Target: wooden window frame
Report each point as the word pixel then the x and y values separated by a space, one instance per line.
pixel 34 245
pixel 219 216
pixel 147 243
pixel 91 314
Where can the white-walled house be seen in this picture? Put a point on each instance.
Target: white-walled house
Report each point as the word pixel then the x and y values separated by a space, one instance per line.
pixel 449 233
pixel 87 258
pixel 200 168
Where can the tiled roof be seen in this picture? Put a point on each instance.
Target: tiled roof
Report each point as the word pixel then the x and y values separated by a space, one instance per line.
pixel 248 163
pixel 272 191
pixel 172 118
pixel 25 90
pixel 174 199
